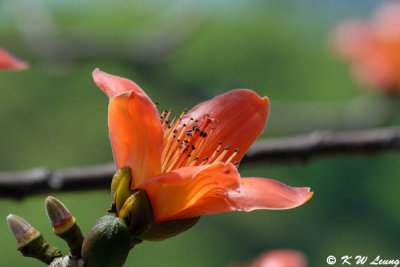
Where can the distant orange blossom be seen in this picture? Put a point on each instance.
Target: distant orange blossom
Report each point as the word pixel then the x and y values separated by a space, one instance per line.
pixel 280 258
pixel 373 47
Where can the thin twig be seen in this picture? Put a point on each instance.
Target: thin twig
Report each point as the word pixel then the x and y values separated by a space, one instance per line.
pixel 298 148
pixel 325 143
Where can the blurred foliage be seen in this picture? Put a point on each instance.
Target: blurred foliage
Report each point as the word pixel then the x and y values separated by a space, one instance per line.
pixel 53 115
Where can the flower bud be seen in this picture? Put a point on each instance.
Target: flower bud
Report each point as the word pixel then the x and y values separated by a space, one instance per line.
pixel 22 230
pixel 30 241
pixel 64 225
pixel 107 243
pixel 59 216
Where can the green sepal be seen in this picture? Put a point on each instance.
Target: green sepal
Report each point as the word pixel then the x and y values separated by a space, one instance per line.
pixel 137 212
pixel 120 188
pixel 167 229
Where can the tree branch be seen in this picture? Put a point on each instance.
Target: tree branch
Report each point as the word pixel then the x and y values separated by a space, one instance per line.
pixel 298 148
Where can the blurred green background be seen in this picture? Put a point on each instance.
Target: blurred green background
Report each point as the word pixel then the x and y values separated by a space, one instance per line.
pixel 181 53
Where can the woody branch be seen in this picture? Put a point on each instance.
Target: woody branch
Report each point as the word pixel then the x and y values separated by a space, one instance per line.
pixel 278 150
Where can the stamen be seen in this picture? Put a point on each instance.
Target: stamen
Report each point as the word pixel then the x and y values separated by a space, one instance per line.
pixel 185 142
pixel 194 162
pixel 174 147
pixel 167 116
pixel 223 154
pixel 232 156
pixel 168 131
pixel 216 152
pixel 163 114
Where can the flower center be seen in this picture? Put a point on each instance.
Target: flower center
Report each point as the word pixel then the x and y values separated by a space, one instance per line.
pixel 184 144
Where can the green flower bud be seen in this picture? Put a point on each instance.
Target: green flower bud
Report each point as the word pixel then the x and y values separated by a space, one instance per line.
pixel 22 230
pixel 64 225
pixel 107 243
pixel 30 241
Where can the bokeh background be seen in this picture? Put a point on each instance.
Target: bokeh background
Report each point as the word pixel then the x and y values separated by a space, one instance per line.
pixel 181 53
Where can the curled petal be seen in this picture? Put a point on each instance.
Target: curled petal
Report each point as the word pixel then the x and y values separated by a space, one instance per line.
pixel 262 193
pixel 136 135
pixel 238 116
pixel 113 85
pixel 191 191
pixel 8 61
pixel 194 191
pixel 280 258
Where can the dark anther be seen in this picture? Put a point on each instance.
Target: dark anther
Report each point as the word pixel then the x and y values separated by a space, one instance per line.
pixel 175 131
pixel 236 163
pixel 236 150
pixel 195 128
pixel 227 147
pixel 203 133
pixel 193 147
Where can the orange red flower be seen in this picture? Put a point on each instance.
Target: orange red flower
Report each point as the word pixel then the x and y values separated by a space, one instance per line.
pixel 280 258
pixel 9 62
pixel 373 47
pixel 187 163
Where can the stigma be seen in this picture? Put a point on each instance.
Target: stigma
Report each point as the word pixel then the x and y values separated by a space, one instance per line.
pixel 185 140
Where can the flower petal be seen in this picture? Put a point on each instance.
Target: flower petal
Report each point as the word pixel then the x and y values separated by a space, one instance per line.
pixel 263 193
pixel 113 85
pixel 194 191
pixel 8 61
pixel 238 116
pixel 136 135
pixel 191 191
